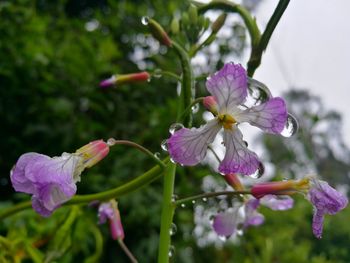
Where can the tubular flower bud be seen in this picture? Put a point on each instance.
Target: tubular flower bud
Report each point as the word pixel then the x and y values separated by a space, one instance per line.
pixel 125 78
pixel 218 23
pixel 93 152
pixel 210 104
pixel 110 211
pixel 158 32
pixel 233 180
pixel 280 188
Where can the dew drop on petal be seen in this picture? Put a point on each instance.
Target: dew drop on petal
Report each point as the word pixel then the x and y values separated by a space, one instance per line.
pixel 175 127
pixel 195 108
pixel 171 251
pixel 259 172
pixel 291 126
pixel 157 73
pixel 258 93
pixel 173 229
pixel 246 143
pixel 164 145
pixel 222 238
pixel 145 20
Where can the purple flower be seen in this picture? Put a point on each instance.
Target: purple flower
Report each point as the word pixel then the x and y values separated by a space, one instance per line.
pixel 110 211
pixel 229 89
pixel 226 223
pixel 326 200
pixel 105 211
pixel 52 181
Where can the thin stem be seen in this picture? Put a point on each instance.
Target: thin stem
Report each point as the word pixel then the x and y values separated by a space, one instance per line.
pixel 255 58
pixel 167 214
pixel 215 154
pixel 169 74
pixel 133 185
pixel 127 251
pixel 187 82
pixel 209 195
pixel 112 142
pixel 193 51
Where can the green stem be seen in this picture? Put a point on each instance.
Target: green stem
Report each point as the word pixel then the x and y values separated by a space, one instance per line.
pixel 255 58
pixel 188 110
pixel 227 6
pixel 209 195
pixel 127 251
pixel 112 142
pixel 124 189
pixel 187 82
pixel 169 74
pixel 167 214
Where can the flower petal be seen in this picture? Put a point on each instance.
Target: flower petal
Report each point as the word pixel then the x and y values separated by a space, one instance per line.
pixel 39 207
pixel 228 86
pixel 317 223
pixel 189 146
pixel 252 217
pixel 19 180
pixel 277 203
pixel 52 195
pixel 105 211
pixel 270 116
pixel 225 223
pixel 238 159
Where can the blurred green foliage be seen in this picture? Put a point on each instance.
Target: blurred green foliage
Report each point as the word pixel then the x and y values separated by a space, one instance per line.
pixel 52 56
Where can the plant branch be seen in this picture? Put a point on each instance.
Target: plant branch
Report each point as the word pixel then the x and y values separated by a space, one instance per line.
pixel 127 251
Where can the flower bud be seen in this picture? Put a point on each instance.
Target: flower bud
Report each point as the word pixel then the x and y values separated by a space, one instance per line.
pixel 159 33
pixel 233 180
pixel 175 26
pixel 193 14
pixel 125 78
pixel 210 104
pixel 93 152
pixel 218 23
pixel 115 225
pixel 280 188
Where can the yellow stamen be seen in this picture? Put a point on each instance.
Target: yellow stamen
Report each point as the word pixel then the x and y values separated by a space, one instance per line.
pixel 226 121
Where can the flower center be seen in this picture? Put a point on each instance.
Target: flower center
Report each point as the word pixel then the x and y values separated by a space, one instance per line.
pixel 226 121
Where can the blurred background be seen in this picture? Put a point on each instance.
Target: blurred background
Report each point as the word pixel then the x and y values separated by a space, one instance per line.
pixel 53 55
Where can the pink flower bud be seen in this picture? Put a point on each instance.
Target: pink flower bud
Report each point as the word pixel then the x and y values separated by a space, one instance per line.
pixel 125 78
pixel 233 180
pixel 210 103
pixel 159 33
pixel 93 152
pixel 116 226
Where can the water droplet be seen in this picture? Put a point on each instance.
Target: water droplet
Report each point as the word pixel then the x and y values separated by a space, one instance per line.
pixel 291 126
pixel 164 145
pixel 145 20
pixel 111 141
pixel 171 251
pixel 204 199
pixel 172 160
pixel 183 205
pixel 193 201
pixel 258 93
pixel 175 127
pixel 246 143
pixel 157 73
pixel 174 198
pixel 239 232
pixel 258 173
pixel 65 155
pixel 222 238
pixel 157 155
pixel 173 229
pixel 195 108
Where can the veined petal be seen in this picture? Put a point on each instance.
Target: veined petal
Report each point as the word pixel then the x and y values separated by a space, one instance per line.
pixel 270 116
pixel 317 223
pixel 39 207
pixel 238 159
pixel 277 203
pixel 225 223
pixel 189 146
pixel 105 211
pixel 52 195
pixel 252 216
pixel 228 86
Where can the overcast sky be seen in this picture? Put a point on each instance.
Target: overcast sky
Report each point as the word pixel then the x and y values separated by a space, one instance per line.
pixel 310 48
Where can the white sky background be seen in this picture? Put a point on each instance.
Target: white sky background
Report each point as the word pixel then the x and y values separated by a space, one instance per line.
pixel 310 48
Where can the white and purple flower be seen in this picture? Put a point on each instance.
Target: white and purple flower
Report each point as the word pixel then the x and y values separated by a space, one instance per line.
pixel 229 90
pixel 52 181
pixel 228 222
pixel 110 211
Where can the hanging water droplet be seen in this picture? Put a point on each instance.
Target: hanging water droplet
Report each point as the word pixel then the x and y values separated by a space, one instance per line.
pixel 246 143
pixel 239 232
pixel 173 229
pixel 145 20
pixel 258 173
pixel 157 73
pixel 204 199
pixel 258 93
pixel 164 145
pixel 174 198
pixel 157 155
pixel 291 126
pixel 183 205
pixel 175 127
pixel 193 201
pixel 171 251
pixel 65 155
pixel 222 238
pixel 195 108
pixel 111 141
pixel 172 160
